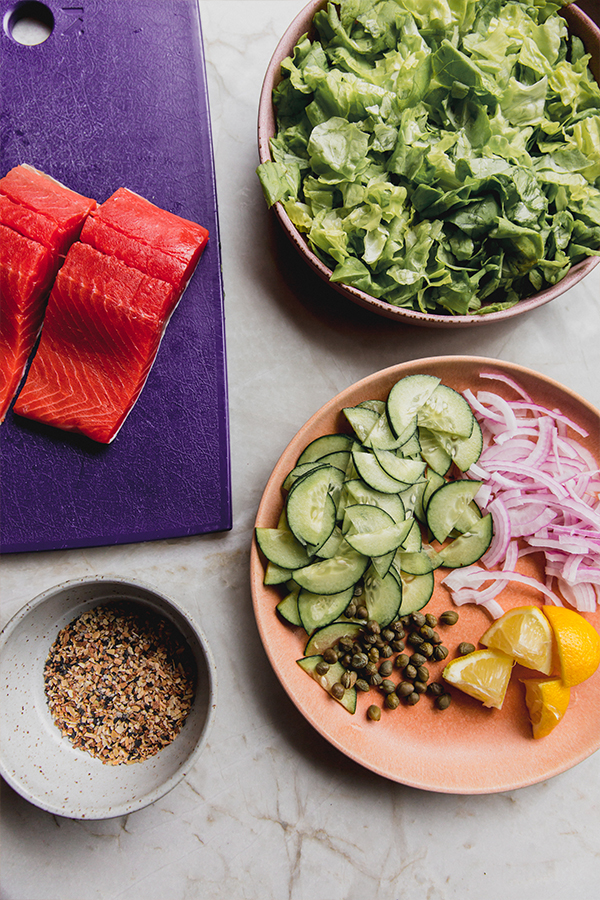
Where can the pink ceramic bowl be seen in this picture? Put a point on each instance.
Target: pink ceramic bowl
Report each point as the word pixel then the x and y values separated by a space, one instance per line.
pixel 579 23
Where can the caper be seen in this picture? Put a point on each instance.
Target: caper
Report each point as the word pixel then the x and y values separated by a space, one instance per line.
pixel 374 654
pixel 399 629
pixel 369 640
pixel 450 617
pixel 417 659
pixel 410 672
pixel 362 612
pixel 420 687
pixel 405 688
pixel 413 698
pixel 331 655
pixel 417 620
pixel 431 620
pixel 388 635
pixel 375 679
pixel 338 690
pixel 346 660
pixel 397 645
pixel 404 620
pixel 426 649
pixel 386 651
pixel 350 610
pixel 345 643
pixel 370 669
pixel 422 673
pixel 374 713
pixel 362 685
pixel 464 647
pixel 359 660
pixel 348 679
pixel 386 668
pixel 387 686
pixel 358 591
pixel 402 660
pixel 426 632
pixel 443 701
pixel 440 652
pixel 392 701
pixel 373 626
pixel 435 689
pixel 435 638
pixel 322 667
pixel 415 639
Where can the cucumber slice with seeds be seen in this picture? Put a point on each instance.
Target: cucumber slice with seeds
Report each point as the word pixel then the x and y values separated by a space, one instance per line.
pixel 310 506
pixel 407 397
pixel 331 677
pixel 318 610
pixel 382 597
pixel 417 591
pixel 328 637
pixel 446 410
pixel 448 504
pixel 321 446
pixel 281 547
pixel 373 475
pixel 331 576
pixel 470 546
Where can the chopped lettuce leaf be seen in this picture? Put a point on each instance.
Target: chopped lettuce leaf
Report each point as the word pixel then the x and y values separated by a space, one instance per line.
pixel 442 155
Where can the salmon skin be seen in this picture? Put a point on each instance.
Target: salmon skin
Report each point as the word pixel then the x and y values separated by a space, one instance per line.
pixel 39 220
pixel 107 314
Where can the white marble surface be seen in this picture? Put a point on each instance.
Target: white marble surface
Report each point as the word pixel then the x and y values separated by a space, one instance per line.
pixel 271 810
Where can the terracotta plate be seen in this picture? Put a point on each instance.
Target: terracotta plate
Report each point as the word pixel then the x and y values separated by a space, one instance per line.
pixel 465 749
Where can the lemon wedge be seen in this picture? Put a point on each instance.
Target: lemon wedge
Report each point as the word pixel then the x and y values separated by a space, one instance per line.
pixel 525 634
pixel 547 700
pixel 483 674
pixel 578 644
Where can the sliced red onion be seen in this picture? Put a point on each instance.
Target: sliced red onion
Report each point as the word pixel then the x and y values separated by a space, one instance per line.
pixel 542 488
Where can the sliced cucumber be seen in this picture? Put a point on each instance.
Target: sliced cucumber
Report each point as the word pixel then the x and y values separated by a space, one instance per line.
pixel 464 452
pixel 332 545
pixel 328 637
pixel 448 504
pixel 406 471
pixel 318 610
pixel 436 456
pixel 470 546
pixel 373 475
pixel 359 492
pixel 281 547
pixel 361 420
pixel 288 607
pixel 417 591
pixel 331 576
pixel 275 574
pixel 372 531
pixel 434 481
pixel 419 563
pixel 331 677
pixel 321 446
pixel 446 410
pixel 406 399
pixel 311 508
pixel 382 597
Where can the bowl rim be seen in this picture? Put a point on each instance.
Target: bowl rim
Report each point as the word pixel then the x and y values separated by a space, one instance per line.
pixel 266 129
pixel 146 799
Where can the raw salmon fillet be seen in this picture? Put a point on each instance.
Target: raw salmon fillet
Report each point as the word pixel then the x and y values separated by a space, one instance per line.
pixel 142 235
pixel 107 313
pixel 101 333
pixel 39 220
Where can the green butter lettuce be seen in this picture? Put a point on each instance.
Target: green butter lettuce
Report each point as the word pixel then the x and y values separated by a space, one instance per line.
pixel 441 155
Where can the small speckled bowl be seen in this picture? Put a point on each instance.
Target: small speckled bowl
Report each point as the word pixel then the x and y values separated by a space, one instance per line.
pixel 41 764
pixel 578 23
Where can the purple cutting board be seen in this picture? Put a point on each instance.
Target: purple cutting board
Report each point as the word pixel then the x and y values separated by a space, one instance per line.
pixel 117 96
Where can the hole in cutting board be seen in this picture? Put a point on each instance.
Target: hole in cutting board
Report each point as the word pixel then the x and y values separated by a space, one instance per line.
pixel 30 23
